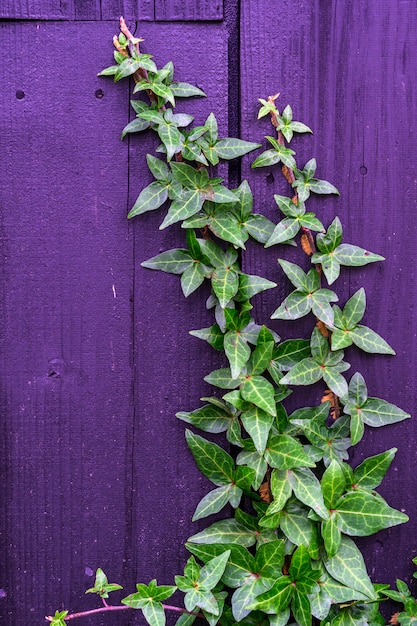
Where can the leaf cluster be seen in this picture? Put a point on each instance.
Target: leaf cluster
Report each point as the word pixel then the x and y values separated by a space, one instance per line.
pixel 287 555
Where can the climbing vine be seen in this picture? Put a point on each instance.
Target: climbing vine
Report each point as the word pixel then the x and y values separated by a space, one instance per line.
pixel 287 554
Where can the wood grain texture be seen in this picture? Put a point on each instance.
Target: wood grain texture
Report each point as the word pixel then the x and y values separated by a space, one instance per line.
pixel 35 9
pixel 188 10
pixel 66 403
pixel 148 10
pixel 96 355
pixel 169 364
pixel 143 10
pixel 348 71
pixel 77 9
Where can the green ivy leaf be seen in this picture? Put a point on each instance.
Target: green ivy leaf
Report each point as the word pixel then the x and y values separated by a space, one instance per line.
pixel 210 418
pixel 333 483
pixel 101 585
pixel 227 227
pixel 369 341
pixel 369 474
pixel 163 91
pixel 171 261
pixel 331 534
pixel 211 459
pixel 306 372
pixel 212 572
pixel 185 90
pixel 192 278
pixel 237 351
pixel 276 599
pixel 354 308
pixel 203 600
pixel 267 158
pixel 285 230
pixel 360 514
pixel 257 424
pixel 222 378
pixel 154 614
pixel 307 489
pixel 126 68
pixel 240 565
pixel 226 531
pixel 353 256
pixel 260 392
pixel 150 198
pixel 189 203
pixel 188 176
pixel 281 490
pixel 347 566
pixel 135 126
pixel 171 138
pixel 250 285
pixel 59 618
pixel 259 227
pixel 243 596
pixel 213 502
pixel 290 352
pixel 231 148
pixel 297 527
pixel 285 452
pixel 376 412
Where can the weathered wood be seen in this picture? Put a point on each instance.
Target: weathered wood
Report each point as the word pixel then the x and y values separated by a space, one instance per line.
pixel 348 71
pixel 188 10
pixel 36 10
pixel 77 9
pixel 96 355
pixel 143 10
pixel 66 318
pixel 169 364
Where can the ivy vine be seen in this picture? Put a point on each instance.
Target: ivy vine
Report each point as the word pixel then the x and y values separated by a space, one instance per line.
pixel 288 555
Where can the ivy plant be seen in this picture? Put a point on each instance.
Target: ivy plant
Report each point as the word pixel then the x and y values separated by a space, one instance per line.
pixel 288 553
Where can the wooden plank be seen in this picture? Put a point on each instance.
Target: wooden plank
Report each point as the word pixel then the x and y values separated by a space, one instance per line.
pixel 169 363
pixel 142 10
pixel 92 478
pixel 77 9
pixel 188 10
pixel 147 10
pixel 347 69
pixel 86 9
pixel 36 9
pixel 66 319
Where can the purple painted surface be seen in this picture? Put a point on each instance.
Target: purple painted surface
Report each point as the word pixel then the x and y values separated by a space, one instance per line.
pixel 349 72
pixel 96 356
pixel 94 363
pixel 174 10
pixel 66 336
pixel 169 364
pixel 159 10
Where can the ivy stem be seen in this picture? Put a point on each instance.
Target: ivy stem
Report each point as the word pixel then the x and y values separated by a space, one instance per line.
pixel 311 245
pixel 119 607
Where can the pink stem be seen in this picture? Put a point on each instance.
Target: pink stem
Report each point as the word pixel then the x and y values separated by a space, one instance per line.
pixel 119 607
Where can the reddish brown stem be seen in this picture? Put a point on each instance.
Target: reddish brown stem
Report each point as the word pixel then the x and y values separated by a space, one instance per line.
pixel 120 607
pixel 290 177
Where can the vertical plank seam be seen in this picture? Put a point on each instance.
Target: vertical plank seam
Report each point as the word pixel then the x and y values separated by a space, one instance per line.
pixel 232 18
pixel 130 455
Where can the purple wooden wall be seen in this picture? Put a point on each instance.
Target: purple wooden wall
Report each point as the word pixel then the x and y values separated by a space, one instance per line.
pixel 96 358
